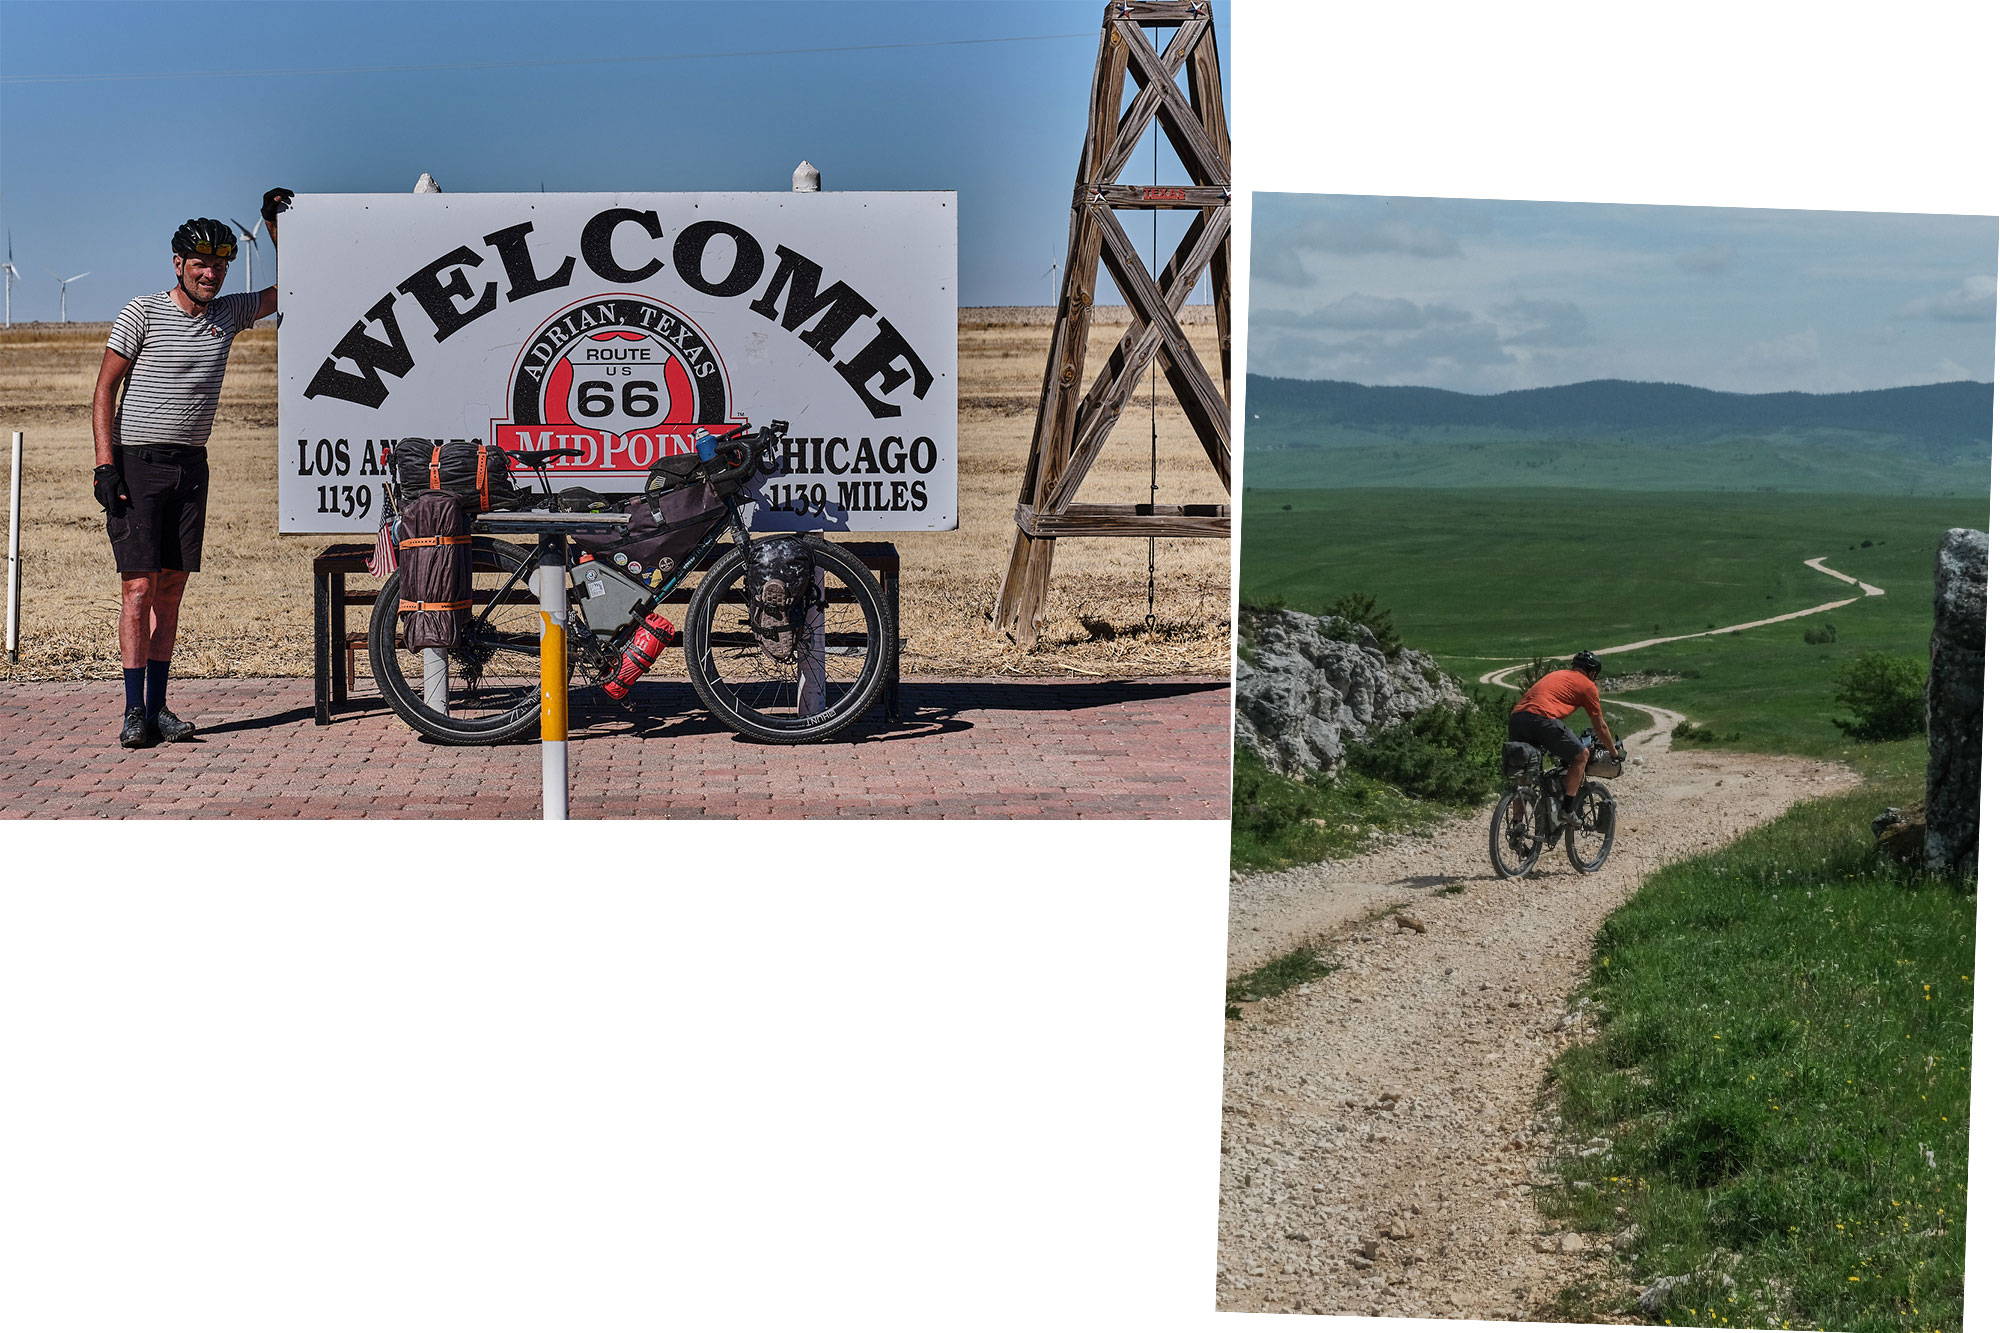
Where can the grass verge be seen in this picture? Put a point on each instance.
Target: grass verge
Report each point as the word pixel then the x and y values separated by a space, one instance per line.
pixel 1280 821
pixel 1276 977
pixel 1781 1072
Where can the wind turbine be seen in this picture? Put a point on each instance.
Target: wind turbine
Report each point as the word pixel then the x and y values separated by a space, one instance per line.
pixel 1054 275
pixel 249 236
pixel 12 274
pixel 62 290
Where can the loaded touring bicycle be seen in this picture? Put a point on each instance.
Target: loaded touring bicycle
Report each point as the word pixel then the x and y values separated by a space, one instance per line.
pixel 787 636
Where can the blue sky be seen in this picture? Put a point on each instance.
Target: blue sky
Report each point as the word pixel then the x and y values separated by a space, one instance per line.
pixel 1483 296
pixel 95 173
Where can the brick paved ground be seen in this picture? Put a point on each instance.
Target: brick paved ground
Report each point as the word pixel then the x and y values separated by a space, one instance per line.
pixel 965 749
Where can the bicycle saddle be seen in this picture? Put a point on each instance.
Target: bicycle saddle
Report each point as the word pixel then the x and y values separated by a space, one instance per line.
pixel 539 457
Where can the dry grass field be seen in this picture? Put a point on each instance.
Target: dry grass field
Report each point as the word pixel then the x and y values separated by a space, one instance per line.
pixel 249 611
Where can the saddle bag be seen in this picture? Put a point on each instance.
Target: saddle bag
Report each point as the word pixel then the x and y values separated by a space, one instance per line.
pixel 1518 757
pixel 780 586
pixel 665 527
pixel 471 470
pixel 435 555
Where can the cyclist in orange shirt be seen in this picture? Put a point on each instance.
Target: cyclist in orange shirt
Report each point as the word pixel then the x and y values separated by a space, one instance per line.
pixel 1538 720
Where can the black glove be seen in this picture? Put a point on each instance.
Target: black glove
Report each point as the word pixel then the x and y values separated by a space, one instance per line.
pixel 275 202
pixel 109 488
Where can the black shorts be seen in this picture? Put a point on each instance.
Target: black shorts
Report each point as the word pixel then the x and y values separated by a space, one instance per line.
pixel 161 528
pixel 1544 733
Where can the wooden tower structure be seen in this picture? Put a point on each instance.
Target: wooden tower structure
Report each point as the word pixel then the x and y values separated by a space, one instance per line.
pixel 1073 422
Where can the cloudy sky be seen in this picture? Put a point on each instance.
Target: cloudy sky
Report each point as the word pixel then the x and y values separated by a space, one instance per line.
pixel 1483 295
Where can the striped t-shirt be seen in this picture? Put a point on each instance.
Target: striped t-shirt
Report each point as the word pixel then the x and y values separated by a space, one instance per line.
pixel 177 365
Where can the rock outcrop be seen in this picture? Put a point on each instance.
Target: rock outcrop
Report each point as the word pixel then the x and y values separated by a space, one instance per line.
pixel 1953 706
pixel 1308 686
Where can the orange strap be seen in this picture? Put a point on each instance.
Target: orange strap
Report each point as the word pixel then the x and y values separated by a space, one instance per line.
pixel 434 606
pixel 412 543
pixel 437 454
pixel 480 483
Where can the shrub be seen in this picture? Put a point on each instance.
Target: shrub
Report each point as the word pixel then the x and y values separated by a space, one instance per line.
pixel 1822 633
pixel 1886 695
pixel 1448 753
pixel 1358 608
pixel 1255 605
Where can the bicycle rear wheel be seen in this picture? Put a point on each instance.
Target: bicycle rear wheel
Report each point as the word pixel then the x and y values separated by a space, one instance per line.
pixel 1514 842
pixel 1588 840
pixel 839 667
pixel 487 689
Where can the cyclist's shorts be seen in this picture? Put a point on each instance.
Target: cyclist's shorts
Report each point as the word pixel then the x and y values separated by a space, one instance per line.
pixel 162 527
pixel 1544 733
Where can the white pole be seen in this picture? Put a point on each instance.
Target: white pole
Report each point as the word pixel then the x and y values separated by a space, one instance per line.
pixel 551 574
pixel 437 681
pixel 14 554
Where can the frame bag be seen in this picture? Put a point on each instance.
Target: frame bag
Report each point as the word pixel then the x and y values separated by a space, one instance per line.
pixel 664 529
pixel 435 554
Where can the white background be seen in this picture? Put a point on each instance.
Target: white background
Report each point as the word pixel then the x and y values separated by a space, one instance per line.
pixel 345 252
pixel 970 1082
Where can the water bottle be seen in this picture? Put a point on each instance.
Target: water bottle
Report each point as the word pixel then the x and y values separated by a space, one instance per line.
pixel 704 445
pixel 648 640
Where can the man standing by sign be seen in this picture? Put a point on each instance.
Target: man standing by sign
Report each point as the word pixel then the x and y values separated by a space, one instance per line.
pixel 169 351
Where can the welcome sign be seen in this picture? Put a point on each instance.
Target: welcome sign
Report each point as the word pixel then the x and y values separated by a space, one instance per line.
pixel 620 324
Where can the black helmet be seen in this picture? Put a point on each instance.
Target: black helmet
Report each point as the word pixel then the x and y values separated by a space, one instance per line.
pixel 1587 663
pixel 205 236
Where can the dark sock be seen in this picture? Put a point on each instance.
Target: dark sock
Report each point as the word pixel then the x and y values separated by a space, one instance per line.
pixel 156 687
pixel 135 688
pixel 1569 803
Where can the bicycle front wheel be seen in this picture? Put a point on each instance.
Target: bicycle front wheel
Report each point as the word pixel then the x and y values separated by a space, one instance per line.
pixel 827 675
pixel 1514 842
pixel 1588 840
pixel 487 689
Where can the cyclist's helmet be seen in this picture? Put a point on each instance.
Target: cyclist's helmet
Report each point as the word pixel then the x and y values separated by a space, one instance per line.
pixel 1587 663
pixel 205 236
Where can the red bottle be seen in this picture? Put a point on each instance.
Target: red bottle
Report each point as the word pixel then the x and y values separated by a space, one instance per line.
pixel 648 640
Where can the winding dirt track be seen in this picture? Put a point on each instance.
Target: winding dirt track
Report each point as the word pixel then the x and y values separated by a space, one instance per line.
pixel 1381 1130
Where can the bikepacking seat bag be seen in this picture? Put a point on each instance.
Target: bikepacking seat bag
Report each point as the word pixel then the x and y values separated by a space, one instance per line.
pixel 779 582
pixel 665 527
pixel 471 470
pixel 1518 757
pixel 435 553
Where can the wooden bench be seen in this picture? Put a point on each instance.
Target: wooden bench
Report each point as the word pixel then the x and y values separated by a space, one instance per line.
pixel 335 646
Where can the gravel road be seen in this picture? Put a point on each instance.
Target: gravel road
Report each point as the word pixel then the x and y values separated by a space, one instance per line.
pixel 1381 1130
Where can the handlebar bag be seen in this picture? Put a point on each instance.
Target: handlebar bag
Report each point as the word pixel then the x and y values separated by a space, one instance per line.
pixel 780 585
pixel 665 527
pixel 471 470
pixel 435 554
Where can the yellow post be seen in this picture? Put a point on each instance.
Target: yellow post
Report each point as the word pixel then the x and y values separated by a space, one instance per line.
pixel 555 677
pixel 555 680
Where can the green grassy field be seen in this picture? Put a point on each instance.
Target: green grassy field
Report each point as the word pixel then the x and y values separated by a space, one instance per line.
pixel 1480 578
pixel 1781 1075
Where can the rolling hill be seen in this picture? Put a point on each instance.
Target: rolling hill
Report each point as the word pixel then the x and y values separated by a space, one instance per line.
pixel 1931 439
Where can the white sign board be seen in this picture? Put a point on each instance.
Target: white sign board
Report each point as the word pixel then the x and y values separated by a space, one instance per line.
pixel 618 324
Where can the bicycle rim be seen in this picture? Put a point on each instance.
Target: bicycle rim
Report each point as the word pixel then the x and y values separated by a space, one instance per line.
pixel 485 690
pixel 803 695
pixel 1588 841
pixel 1512 841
